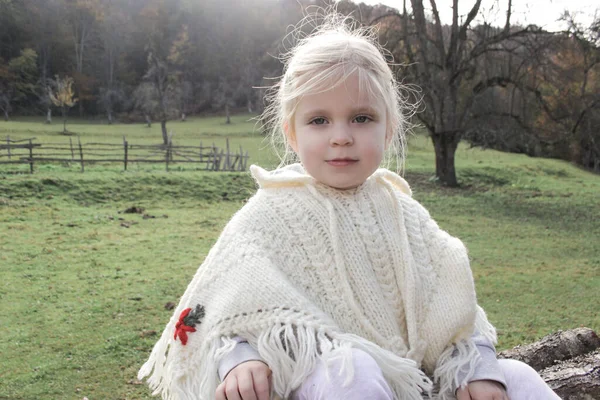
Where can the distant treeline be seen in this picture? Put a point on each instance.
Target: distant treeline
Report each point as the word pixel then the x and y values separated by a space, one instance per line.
pixel 513 88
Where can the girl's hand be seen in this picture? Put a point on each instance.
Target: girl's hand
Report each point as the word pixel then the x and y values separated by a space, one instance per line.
pixel 250 380
pixel 482 390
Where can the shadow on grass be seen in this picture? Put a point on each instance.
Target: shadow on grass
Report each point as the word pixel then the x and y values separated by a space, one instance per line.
pixel 515 194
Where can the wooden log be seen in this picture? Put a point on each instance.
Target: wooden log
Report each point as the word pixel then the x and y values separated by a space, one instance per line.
pixel 568 361
pixel 576 379
pixel 554 348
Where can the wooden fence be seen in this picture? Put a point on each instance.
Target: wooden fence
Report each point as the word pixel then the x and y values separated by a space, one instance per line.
pixel 211 158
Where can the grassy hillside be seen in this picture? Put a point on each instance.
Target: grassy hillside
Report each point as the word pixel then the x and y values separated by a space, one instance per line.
pixel 84 284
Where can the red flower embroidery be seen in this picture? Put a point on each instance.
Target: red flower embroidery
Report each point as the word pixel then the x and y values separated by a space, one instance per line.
pixel 187 322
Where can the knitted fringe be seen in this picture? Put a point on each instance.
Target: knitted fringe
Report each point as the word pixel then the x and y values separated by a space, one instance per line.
pixel 460 358
pixel 483 326
pixel 407 381
pixel 292 353
pixel 172 381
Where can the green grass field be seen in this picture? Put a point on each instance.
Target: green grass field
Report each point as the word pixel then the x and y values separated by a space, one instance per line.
pixel 84 284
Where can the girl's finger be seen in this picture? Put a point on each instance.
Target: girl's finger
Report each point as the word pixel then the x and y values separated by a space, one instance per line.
pixel 262 385
pixel 246 386
pixel 463 394
pixel 220 393
pixel 231 388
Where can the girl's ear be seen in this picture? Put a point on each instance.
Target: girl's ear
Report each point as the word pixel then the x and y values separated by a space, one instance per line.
pixel 389 136
pixel 290 136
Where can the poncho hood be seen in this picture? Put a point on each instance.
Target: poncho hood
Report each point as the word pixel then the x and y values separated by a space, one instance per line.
pixel 296 175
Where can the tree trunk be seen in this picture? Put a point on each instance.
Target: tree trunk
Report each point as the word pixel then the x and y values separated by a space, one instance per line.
pixel 6 115
pixel 49 116
pixel 182 117
pixel 64 115
pixel 227 116
pixel 148 121
pixel 163 127
pixel 445 147
pixel 110 119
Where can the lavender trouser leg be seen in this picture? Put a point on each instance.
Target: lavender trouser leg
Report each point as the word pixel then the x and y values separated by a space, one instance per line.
pixel 524 383
pixel 369 384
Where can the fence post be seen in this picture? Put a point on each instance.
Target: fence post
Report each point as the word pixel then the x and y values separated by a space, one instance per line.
pixel 241 164
pixel 125 148
pixel 81 154
pixel 227 165
pixel 8 145
pixel 201 151
pixel 167 157
pixel 168 152
pixel 30 156
pixel 214 156
pixel 72 152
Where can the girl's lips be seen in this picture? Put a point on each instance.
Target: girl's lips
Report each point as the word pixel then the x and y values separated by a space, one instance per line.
pixel 341 162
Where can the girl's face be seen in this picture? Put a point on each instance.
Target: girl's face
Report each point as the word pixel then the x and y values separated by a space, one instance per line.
pixel 340 135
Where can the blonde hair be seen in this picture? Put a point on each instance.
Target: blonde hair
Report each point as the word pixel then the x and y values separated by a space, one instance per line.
pixel 335 50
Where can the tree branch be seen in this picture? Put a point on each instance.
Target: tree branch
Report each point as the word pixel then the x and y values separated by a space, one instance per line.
pixel 439 43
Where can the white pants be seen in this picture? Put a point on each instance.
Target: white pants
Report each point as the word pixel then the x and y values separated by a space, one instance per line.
pixel 522 381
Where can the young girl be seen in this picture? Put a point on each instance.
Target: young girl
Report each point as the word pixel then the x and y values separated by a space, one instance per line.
pixel 332 282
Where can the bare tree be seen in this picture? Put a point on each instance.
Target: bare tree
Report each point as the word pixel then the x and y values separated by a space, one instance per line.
pixel 112 39
pixel 17 80
pixel 62 96
pixel 572 70
pixel 81 17
pixel 442 60
pixel 108 98
pixel 145 99
pixel 158 75
pixel 224 97
pixel 165 48
pixel 184 93
pixel 45 20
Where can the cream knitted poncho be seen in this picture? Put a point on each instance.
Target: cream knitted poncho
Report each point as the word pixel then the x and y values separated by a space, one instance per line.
pixel 305 272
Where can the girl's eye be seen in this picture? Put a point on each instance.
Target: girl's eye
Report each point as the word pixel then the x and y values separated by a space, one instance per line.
pixel 318 121
pixel 361 119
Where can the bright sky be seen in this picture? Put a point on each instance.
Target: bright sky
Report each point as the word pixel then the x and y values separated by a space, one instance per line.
pixel 539 12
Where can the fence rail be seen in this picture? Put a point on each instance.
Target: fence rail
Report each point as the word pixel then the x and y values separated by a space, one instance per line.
pixel 212 158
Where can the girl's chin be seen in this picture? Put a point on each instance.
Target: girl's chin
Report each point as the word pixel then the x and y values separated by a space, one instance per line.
pixel 342 186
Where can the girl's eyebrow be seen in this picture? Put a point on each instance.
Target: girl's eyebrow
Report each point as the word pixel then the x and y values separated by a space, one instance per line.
pixel 357 110
pixel 364 109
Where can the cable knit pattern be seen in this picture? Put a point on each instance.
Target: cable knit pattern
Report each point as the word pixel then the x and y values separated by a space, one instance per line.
pixel 306 272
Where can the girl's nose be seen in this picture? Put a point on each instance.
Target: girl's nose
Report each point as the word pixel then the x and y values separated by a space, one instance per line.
pixel 341 137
